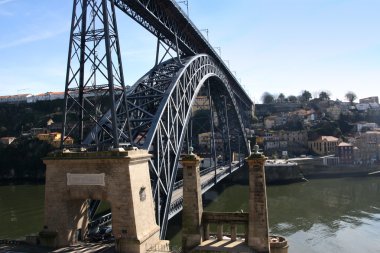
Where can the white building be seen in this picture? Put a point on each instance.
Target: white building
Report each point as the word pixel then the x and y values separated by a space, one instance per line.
pixel 20 98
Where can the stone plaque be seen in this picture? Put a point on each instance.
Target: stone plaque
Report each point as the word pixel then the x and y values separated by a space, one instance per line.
pixel 85 179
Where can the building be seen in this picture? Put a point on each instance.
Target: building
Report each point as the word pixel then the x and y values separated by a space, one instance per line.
pixel 363 107
pixel 204 141
pixel 324 145
pixel 368 144
pixel 7 140
pixel 54 139
pixel 334 112
pixel 345 153
pixel 365 126
pixel 298 137
pixel 296 141
pixel 201 103
pixel 20 98
pixel 48 96
pixel 374 99
pixel 273 121
pixel 36 131
pixel 374 106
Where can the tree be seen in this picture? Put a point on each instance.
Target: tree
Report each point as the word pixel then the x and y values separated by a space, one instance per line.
pixel 306 95
pixel 324 95
pixel 267 98
pixel 22 158
pixel 351 97
pixel 292 99
pixel 281 98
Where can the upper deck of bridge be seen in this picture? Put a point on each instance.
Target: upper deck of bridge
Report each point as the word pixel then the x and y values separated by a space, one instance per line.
pixel 169 23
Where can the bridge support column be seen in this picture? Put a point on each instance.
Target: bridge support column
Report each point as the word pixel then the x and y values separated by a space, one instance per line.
pixel 192 232
pixel 119 177
pixel 258 229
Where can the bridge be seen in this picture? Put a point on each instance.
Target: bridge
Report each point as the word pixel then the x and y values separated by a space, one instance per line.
pixel 157 112
pixel 208 178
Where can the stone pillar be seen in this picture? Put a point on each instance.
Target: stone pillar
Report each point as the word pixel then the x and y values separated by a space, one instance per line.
pixel 258 229
pixel 64 216
pixel 119 177
pixel 133 215
pixel 192 203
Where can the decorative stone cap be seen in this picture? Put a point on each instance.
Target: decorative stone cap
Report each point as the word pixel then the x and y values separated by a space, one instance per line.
pixel 190 156
pixel 256 154
pixel 111 154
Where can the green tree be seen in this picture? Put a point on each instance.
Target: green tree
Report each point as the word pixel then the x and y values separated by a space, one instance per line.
pixel 267 98
pixel 292 99
pixel 325 127
pixel 324 96
pixel 351 97
pixel 281 98
pixel 306 95
pixel 22 158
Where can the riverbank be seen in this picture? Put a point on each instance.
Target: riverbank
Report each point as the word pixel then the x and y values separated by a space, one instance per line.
pixel 282 171
pixel 315 168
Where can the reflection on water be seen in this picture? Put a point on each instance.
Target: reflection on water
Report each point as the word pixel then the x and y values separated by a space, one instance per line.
pixel 326 215
pixel 21 210
pixel 329 215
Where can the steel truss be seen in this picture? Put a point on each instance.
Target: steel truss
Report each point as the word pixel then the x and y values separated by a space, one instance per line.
pixel 165 20
pixel 94 77
pixel 159 112
pixel 155 112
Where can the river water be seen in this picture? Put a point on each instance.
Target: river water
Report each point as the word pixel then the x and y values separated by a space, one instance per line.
pixel 324 215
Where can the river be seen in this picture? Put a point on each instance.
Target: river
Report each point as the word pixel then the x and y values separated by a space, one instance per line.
pixel 324 215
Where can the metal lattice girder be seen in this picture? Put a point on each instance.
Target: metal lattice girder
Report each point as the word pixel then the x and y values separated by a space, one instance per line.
pixel 94 77
pixel 165 20
pixel 155 112
pixel 159 111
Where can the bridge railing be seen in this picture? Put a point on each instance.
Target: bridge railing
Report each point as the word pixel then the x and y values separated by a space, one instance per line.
pixel 105 219
pixel 203 172
pixel 220 220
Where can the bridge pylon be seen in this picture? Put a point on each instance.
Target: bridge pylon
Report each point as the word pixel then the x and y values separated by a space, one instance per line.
pixel 94 87
pixel 118 177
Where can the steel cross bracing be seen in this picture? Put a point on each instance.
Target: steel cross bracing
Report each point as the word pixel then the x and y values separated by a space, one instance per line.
pixel 165 20
pixel 159 111
pixel 154 113
pixel 94 78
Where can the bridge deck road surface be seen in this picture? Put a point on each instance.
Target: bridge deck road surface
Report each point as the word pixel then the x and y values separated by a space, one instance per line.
pixel 177 194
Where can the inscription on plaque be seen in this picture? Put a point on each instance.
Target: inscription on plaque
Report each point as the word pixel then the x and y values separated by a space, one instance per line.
pixel 85 179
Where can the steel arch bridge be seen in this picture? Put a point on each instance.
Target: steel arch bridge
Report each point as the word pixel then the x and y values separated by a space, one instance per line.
pixel 154 114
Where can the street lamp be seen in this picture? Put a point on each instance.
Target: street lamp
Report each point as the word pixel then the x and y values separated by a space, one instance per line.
pixel 206 31
pixel 186 3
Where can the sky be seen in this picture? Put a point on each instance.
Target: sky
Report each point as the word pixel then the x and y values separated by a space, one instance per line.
pixel 275 46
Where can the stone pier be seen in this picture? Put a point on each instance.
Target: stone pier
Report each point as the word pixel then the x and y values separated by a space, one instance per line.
pixel 192 203
pixel 258 234
pixel 119 177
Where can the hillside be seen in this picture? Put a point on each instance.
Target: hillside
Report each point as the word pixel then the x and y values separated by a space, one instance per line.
pixel 18 118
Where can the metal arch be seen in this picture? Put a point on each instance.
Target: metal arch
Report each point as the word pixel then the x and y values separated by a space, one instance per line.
pixel 166 21
pixel 165 137
pixel 159 106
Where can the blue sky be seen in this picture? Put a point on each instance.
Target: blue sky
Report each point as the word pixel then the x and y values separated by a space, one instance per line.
pixel 273 45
